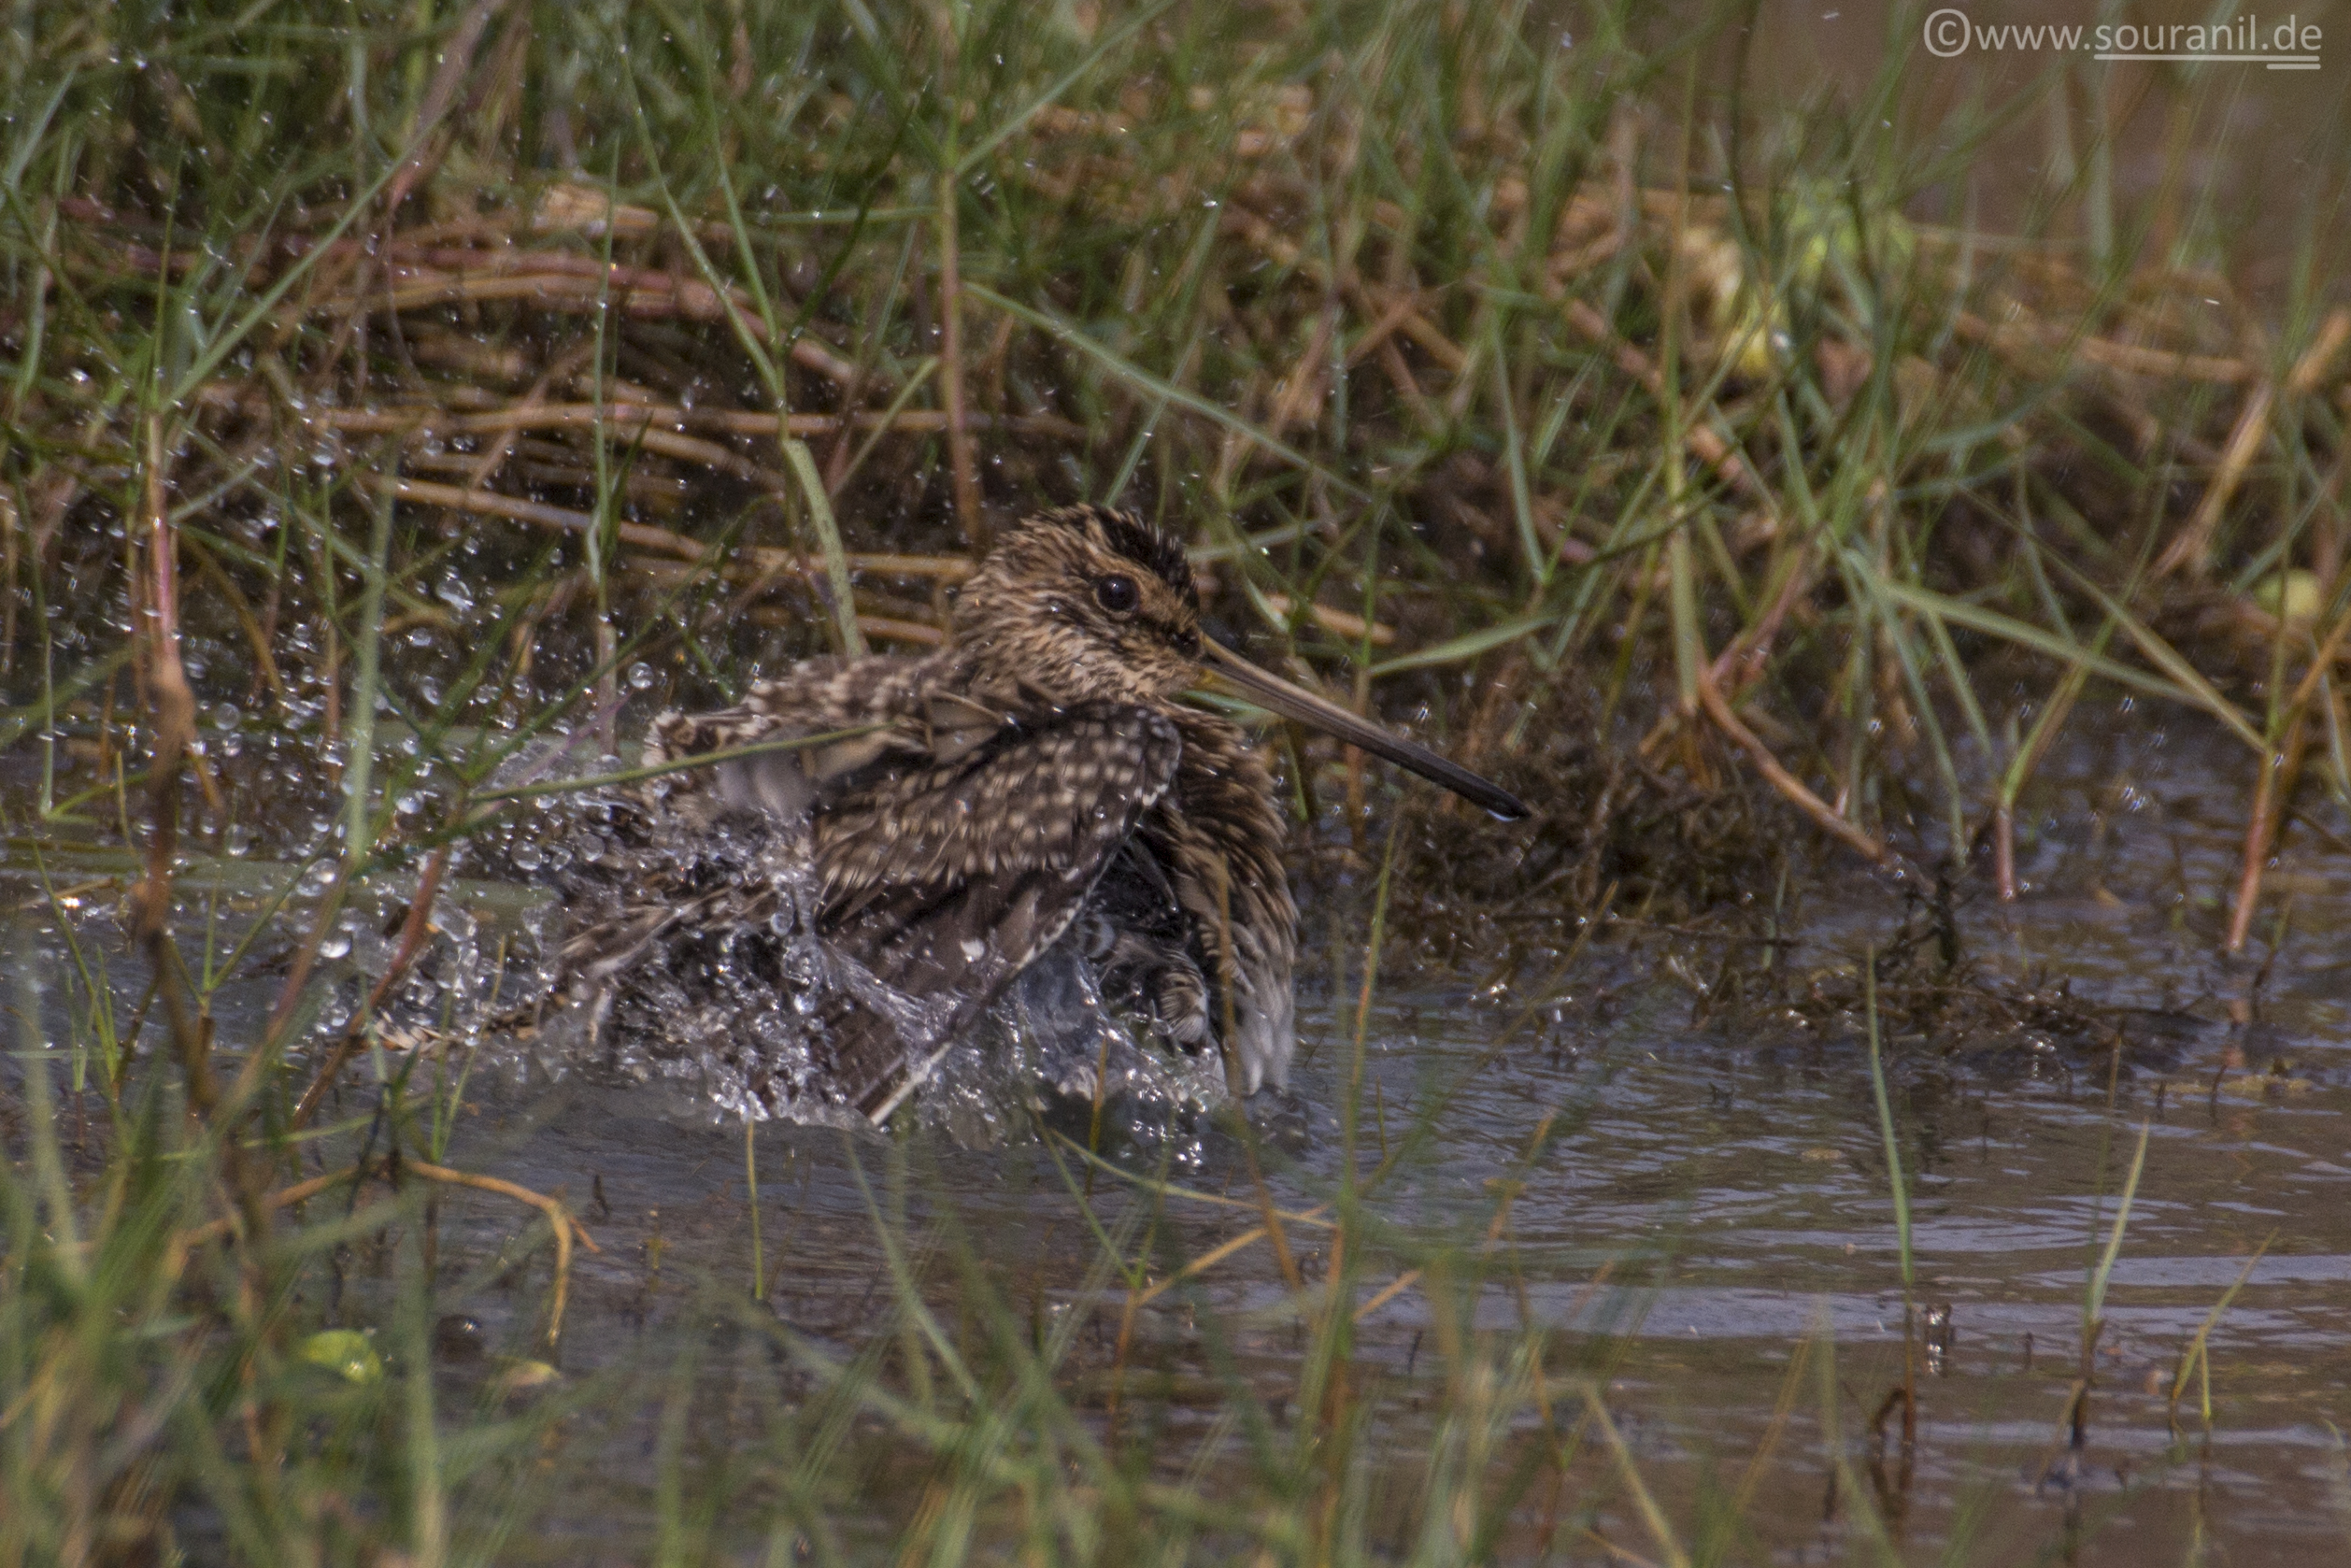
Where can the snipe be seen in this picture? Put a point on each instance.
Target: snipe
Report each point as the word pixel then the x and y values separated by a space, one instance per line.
pixel 1035 782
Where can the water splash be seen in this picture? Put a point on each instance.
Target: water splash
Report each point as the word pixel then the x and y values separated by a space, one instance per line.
pixel 1054 1050
pixel 684 957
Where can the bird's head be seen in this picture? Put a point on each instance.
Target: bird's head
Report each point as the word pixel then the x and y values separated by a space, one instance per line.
pixel 1089 604
pixel 1085 605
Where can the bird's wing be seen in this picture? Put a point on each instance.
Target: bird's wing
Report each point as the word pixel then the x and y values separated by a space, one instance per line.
pixel 868 700
pixel 944 882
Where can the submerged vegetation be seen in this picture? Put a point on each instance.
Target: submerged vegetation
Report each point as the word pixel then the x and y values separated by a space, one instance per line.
pixel 399 404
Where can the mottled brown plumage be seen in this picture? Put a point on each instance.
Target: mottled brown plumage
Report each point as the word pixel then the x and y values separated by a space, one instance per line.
pixel 1035 781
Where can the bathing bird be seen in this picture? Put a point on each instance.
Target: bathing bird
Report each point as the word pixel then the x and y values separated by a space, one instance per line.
pixel 1039 784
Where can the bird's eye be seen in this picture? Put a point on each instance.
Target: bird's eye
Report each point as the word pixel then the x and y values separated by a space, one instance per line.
pixel 1117 594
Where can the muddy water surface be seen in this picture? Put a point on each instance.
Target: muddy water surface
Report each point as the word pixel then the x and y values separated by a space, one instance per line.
pixel 1703 1230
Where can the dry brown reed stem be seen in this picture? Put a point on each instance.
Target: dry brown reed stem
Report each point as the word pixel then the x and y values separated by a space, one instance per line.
pixel 1218 1253
pixel 1425 335
pixel 1400 306
pixel 637 292
pixel 961 463
pixel 1407 386
pixel 172 705
pixel 1508 1192
pixel 186 1241
pixel 2274 786
pixel 763 558
pixel 537 513
pixel 256 635
pixel 422 420
pixel 1696 435
pixel 1790 787
pixel 1652 1516
pixel 585 210
pixel 1337 622
pixel 413 930
pixel 1745 657
pixel 480 469
pixel 940 568
pixel 1388 1292
pixel 2192 549
pixel 172 716
pixel 2038 350
pixel 2273 793
pixel 457 59
pixel 561 1220
pixel 1391 310
pixel 1300 389
pixel 2004 853
pixel 895 630
pixel 12 534
pixel 297 979
pixel 2060 702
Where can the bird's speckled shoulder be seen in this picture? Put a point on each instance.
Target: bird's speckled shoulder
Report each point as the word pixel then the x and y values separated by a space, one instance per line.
pixel 1057 799
pixel 811 697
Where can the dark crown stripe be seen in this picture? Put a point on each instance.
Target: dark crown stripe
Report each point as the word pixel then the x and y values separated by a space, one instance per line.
pixel 1125 534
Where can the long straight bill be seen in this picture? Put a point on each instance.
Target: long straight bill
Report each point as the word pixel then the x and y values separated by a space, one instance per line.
pixel 1296 702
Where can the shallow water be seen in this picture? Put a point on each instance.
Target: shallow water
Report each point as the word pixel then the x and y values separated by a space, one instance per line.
pixel 1707 1235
